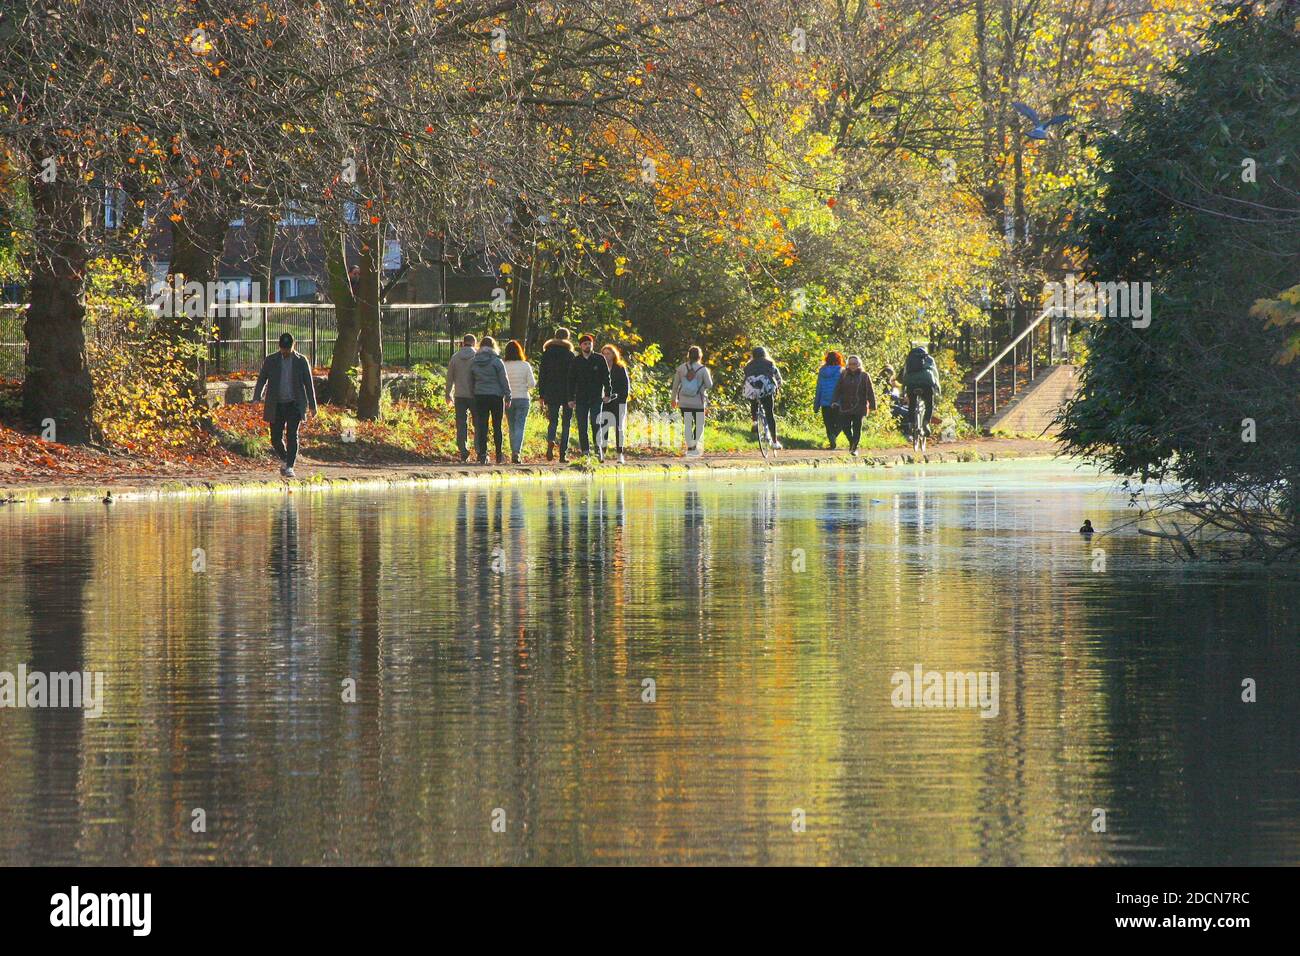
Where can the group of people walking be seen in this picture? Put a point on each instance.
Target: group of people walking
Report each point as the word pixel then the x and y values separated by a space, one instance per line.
pixel 595 386
pixel 845 394
pixel 592 386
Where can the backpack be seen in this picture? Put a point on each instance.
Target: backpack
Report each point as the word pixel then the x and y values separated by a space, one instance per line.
pixel 759 386
pixel 915 360
pixel 926 376
pixel 690 387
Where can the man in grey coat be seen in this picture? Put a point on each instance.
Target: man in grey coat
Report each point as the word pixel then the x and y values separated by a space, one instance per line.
pixel 290 393
pixel 460 382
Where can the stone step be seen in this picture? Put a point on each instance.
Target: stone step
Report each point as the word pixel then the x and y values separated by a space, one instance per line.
pixel 1032 411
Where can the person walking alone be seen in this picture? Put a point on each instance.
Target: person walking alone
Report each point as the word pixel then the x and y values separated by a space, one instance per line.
pixel 290 395
pixel 461 384
pixel 588 386
pixel 491 396
pixel 692 383
pixel 854 397
pixel 520 375
pixel 553 372
pixel 614 409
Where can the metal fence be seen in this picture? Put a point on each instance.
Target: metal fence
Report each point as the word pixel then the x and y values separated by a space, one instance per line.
pixel 411 334
pixel 12 346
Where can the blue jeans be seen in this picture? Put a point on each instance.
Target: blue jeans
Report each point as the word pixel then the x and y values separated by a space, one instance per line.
pixel 518 414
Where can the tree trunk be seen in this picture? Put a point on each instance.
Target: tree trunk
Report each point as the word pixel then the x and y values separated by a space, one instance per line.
pixel 197 243
pixel 369 338
pixel 56 382
pixel 521 304
pixel 339 390
pixel 263 253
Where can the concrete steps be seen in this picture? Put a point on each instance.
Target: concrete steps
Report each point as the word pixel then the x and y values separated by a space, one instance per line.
pixel 1032 410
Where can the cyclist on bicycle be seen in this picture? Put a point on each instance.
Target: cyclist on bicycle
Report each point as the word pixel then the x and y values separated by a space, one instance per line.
pixel 921 381
pixel 762 379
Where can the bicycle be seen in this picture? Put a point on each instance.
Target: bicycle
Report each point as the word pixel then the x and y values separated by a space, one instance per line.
pixel 764 436
pixel 755 391
pixel 920 412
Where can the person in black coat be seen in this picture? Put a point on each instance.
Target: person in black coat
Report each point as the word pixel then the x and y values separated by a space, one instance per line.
pixel 614 410
pixel 553 390
pixel 588 388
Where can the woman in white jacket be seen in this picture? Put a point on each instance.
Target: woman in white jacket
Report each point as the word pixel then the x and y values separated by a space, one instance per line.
pixel 691 385
pixel 520 375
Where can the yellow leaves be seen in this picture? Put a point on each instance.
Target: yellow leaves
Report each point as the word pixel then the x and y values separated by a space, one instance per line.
pixel 819 145
pixel 1279 313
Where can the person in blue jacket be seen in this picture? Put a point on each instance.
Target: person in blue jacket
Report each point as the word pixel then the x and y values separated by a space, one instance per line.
pixel 827 378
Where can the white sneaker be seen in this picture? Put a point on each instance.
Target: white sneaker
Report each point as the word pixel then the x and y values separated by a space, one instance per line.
pixel 777 446
pixel 622 460
pixel 288 473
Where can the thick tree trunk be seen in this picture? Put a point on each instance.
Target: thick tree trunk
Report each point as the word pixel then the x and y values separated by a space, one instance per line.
pixel 56 383
pixel 339 388
pixel 369 340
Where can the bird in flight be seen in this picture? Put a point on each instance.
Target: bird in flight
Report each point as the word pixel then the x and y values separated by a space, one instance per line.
pixel 1040 128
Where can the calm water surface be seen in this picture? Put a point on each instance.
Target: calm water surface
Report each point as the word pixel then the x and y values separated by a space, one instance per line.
pixel 500 639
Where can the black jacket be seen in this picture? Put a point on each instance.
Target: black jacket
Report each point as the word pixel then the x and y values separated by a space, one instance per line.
pixel 588 379
pixel 620 385
pixel 553 371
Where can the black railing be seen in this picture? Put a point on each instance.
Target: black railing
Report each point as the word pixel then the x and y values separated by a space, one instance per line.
pixel 410 334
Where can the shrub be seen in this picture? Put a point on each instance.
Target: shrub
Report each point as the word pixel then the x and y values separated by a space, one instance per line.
pixel 143 397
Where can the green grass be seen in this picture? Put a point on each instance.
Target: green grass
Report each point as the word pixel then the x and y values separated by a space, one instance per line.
pixel 731 434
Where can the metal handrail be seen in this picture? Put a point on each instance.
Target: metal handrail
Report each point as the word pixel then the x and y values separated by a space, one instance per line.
pixel 330 305
pixel 1050 312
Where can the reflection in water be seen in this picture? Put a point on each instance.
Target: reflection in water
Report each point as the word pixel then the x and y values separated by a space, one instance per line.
pixel 499 637
pixel 54 583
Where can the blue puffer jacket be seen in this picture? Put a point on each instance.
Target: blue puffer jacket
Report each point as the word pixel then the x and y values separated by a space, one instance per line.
pixel 827 379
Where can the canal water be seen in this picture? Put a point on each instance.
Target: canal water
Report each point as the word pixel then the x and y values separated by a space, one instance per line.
pixel 647 670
